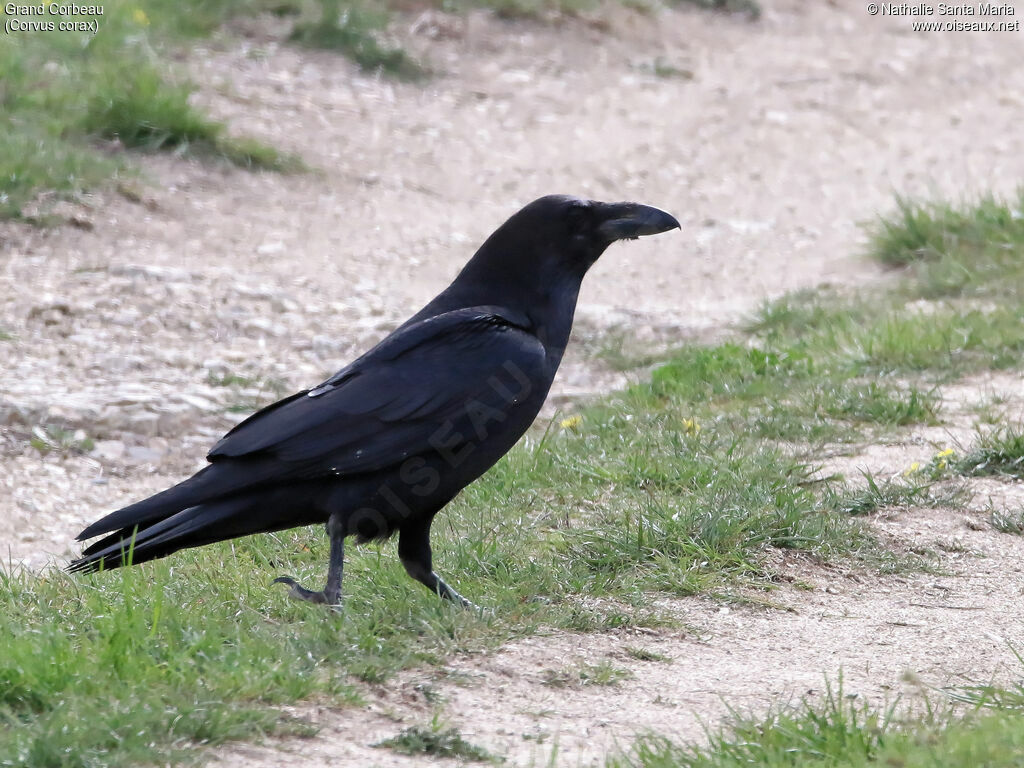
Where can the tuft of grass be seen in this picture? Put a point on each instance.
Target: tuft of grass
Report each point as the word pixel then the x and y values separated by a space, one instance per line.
pixel 229 379
pixel 34 163
pixel 999 452
pixel 530 9
pixel 603 673
pixel 878 404
pixel 994 697
pixel 893 493
pixel 143 111
pixel 750 8
pixel 1008 521
pixel 645 654
pixel 843 733
pixel 52 437
pixel 146 112
pixel 352 29
pixel 874 496
pixel 955 250
pixel 797 314
pixel 436 742
pixel 839 732
pixel 250 393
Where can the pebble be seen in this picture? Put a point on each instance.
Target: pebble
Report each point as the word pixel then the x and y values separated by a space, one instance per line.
pixel 142 454
pixel 108 450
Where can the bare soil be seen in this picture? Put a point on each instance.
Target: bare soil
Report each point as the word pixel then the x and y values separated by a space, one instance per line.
pixel 770 142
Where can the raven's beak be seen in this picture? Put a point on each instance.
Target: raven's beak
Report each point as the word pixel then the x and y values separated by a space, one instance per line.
pixel 625 221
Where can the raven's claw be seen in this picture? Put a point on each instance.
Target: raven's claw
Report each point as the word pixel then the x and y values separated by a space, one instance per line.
pixel 299 592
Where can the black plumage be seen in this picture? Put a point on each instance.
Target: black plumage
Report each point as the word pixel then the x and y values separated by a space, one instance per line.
pixel 389 440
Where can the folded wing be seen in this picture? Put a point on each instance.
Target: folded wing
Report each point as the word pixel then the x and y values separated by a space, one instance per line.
pixel 387 405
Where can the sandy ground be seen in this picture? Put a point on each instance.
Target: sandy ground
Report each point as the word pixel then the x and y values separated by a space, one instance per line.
pixel 770 142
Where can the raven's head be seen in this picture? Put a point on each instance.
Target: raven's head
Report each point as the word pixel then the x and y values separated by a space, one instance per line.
pixel 572 232
pixel 559 237
pixel 537 259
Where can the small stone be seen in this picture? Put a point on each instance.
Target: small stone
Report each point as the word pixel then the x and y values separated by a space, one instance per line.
pixel 108 450
pixel 270 248
pixel 142 454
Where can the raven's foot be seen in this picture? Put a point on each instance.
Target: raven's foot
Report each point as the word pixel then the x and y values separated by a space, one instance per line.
pixel 469 605
pixel 448 593
pixel 299 592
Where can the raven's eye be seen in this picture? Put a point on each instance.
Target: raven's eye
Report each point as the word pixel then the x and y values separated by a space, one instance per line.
pixel 577 214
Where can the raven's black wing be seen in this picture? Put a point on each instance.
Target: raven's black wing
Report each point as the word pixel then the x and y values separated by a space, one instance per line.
pixel 452 372
pixel 388 404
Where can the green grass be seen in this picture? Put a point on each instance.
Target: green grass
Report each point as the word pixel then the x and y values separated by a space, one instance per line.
pixel 32 163
pixel 999 452
pixel 888 494
pixel 65 93
pixel 604 673
pixel 883 336
pixel 967 251
pixel 436 742
pixel 52 437
pixel 352 29
pixel 528 9
pixel 645 654
pixel 1008 521
pixel 750 8
pixel 92 676
pixel 843 733
pixel 838 731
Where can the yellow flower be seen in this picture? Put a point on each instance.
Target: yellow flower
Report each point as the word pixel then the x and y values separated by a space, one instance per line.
pixel 140 17
pixel 571 422
pixel 912 469
pixel 940 458
pixel 691 427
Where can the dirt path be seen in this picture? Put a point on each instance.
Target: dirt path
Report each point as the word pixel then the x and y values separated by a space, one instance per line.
pixel 769 142
pixel 888 637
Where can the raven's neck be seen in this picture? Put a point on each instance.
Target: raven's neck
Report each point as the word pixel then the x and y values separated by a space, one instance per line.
pixel 550 308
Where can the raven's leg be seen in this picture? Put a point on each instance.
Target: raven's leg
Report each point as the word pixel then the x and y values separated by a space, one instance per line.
pixel 414 550
pixel 331 594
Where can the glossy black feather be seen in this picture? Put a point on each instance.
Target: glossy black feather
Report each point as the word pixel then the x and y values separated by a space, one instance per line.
pixel 387 441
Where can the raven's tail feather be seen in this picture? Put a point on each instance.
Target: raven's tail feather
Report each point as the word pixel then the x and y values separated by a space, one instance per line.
pixel 204 522
pixel 191 527
pixel 212 482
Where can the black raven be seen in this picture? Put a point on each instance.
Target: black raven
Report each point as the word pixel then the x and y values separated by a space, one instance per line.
pixel 390 439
